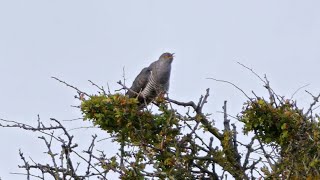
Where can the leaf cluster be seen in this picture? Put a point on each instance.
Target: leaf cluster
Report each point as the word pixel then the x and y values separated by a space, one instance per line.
pixel 156 135
pixel 285 126
pixel 273 123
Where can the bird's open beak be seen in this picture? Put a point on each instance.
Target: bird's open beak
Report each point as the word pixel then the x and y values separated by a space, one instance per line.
pixel 172 54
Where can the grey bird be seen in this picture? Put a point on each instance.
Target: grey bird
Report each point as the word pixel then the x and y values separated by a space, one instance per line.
pixel 152 81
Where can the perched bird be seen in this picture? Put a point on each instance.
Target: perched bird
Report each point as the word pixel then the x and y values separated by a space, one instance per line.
pixel 152 81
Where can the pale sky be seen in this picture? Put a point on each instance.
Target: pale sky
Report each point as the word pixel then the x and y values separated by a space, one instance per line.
pixel 78 40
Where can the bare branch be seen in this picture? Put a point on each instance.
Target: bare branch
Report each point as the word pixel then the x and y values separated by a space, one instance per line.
pixel 232 85
pixel 299 90
pixel 69 85
pixel 250 69
pixel 249 151
pixel 100 88
pixel 26 164
pixel 315 100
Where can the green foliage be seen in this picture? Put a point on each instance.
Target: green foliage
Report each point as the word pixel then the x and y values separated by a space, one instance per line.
pixel 284 125
pixel 160 142
pixel 118 114
pixel 285 140
pixel 111 112
pixel 156 134
pixel 272 123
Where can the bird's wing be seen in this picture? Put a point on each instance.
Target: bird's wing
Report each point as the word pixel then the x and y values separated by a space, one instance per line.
pixel 140 82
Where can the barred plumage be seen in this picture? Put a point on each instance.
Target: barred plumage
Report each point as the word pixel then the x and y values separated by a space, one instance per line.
pixel 150 88
pixel 152 80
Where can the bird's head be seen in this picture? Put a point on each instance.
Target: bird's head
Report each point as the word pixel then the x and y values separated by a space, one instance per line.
pixel 167 56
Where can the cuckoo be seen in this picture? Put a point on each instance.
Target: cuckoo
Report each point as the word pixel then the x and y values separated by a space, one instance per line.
pixel 152 81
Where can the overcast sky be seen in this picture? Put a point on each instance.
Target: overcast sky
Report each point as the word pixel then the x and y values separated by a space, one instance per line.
pixel 78 40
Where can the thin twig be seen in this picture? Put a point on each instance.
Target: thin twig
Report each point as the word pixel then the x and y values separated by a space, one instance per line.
pixel 299 90
pixel 232 85
pixel 73 87
pixel 250 69
pixel 100 88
